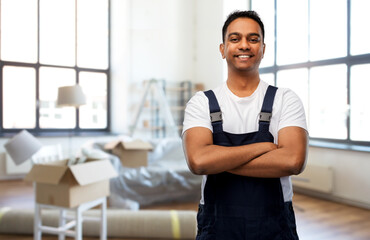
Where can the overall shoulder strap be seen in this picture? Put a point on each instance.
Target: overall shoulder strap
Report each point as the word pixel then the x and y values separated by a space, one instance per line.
pixel 266 111
pixel 214 111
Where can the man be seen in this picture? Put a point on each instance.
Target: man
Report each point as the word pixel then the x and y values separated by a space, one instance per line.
pixel 246 138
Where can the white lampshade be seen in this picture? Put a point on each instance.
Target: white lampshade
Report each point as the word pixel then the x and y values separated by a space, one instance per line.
pixel 70 96
pixel 22 146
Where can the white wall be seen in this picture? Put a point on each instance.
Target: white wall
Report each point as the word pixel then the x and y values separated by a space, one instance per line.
pixel 120 64
pixel 162 40
pixel 208 60
pixel 351 174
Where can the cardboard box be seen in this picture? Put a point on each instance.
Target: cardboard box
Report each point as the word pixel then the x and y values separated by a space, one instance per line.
pixel 131 153
pixel 69 186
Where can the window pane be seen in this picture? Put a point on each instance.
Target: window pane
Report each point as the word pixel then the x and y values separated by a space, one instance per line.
pixel 360 99
pixel 92 25
pixel 19 95
pixel 266 10
pixel 94 113
pixel 328 33
pixel 328 102
pixel 292 31
pixel 52 116
pixel 269 78
pixel 360 35
pixel 297 80
pixel 57 32
pixel 19 30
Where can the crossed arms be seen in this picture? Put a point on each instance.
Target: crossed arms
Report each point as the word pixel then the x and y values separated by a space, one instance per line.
pixel 254 160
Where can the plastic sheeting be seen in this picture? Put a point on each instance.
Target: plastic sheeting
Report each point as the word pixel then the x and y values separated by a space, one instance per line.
pixel 167 178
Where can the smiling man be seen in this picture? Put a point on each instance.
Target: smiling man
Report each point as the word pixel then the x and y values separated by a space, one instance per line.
pixel 246 138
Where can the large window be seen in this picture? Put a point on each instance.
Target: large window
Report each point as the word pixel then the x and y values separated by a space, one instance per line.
pixel 320 50
pixel 46 44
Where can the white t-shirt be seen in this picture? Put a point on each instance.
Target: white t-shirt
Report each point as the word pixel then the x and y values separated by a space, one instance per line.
pixel 241 115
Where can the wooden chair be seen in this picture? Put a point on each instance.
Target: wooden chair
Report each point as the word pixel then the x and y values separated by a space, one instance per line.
pixel 50 153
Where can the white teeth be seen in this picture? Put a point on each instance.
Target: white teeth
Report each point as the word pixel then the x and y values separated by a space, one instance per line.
pixel 243 56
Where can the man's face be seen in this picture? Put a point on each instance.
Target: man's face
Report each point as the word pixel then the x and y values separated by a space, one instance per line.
pixel 243 47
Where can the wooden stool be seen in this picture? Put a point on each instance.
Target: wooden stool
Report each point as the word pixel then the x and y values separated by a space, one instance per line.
pixel 68 222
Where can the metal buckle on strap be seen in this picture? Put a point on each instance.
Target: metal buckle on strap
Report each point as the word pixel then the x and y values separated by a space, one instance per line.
pixel 216 116
pixel 265 116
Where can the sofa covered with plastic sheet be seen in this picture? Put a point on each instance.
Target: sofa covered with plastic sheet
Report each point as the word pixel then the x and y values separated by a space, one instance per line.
pixel 167 177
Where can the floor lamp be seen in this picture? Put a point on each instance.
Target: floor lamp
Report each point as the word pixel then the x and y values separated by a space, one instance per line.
pixel 22 146
pixel 70 96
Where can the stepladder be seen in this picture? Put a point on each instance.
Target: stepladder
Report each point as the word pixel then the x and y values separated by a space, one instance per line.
pixel 162 124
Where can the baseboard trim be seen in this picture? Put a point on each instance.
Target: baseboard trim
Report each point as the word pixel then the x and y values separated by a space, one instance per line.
pixel 12 177
pixel 332 198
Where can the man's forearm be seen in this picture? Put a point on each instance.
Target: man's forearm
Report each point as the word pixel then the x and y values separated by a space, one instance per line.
pixel 213 159
pixel 269 165
pixel 288 159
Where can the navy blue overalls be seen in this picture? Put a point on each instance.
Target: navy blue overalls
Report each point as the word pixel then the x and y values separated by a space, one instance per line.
pixel 238 207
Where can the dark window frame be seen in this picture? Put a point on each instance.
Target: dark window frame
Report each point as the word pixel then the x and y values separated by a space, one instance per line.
pixel 349 60
pixel 57 131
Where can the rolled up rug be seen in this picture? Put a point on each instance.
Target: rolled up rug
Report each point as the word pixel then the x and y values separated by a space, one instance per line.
pixel 162 224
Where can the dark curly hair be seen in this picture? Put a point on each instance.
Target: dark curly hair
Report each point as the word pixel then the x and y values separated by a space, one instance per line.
pixel 243 14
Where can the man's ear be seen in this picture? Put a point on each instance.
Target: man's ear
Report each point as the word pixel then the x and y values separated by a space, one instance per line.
pixel 222 49
pixel 264 48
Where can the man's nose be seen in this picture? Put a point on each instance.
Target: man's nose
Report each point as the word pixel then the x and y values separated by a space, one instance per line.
pixel 244 45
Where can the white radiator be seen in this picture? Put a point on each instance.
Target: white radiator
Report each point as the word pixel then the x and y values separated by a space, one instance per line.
pixel 11 168
pixel 315 177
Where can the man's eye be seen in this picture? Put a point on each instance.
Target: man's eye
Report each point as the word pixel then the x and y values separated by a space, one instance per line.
pixel 254 40
pixel 233 40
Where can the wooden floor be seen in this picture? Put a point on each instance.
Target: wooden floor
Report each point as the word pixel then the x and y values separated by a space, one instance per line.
pixel 316 219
